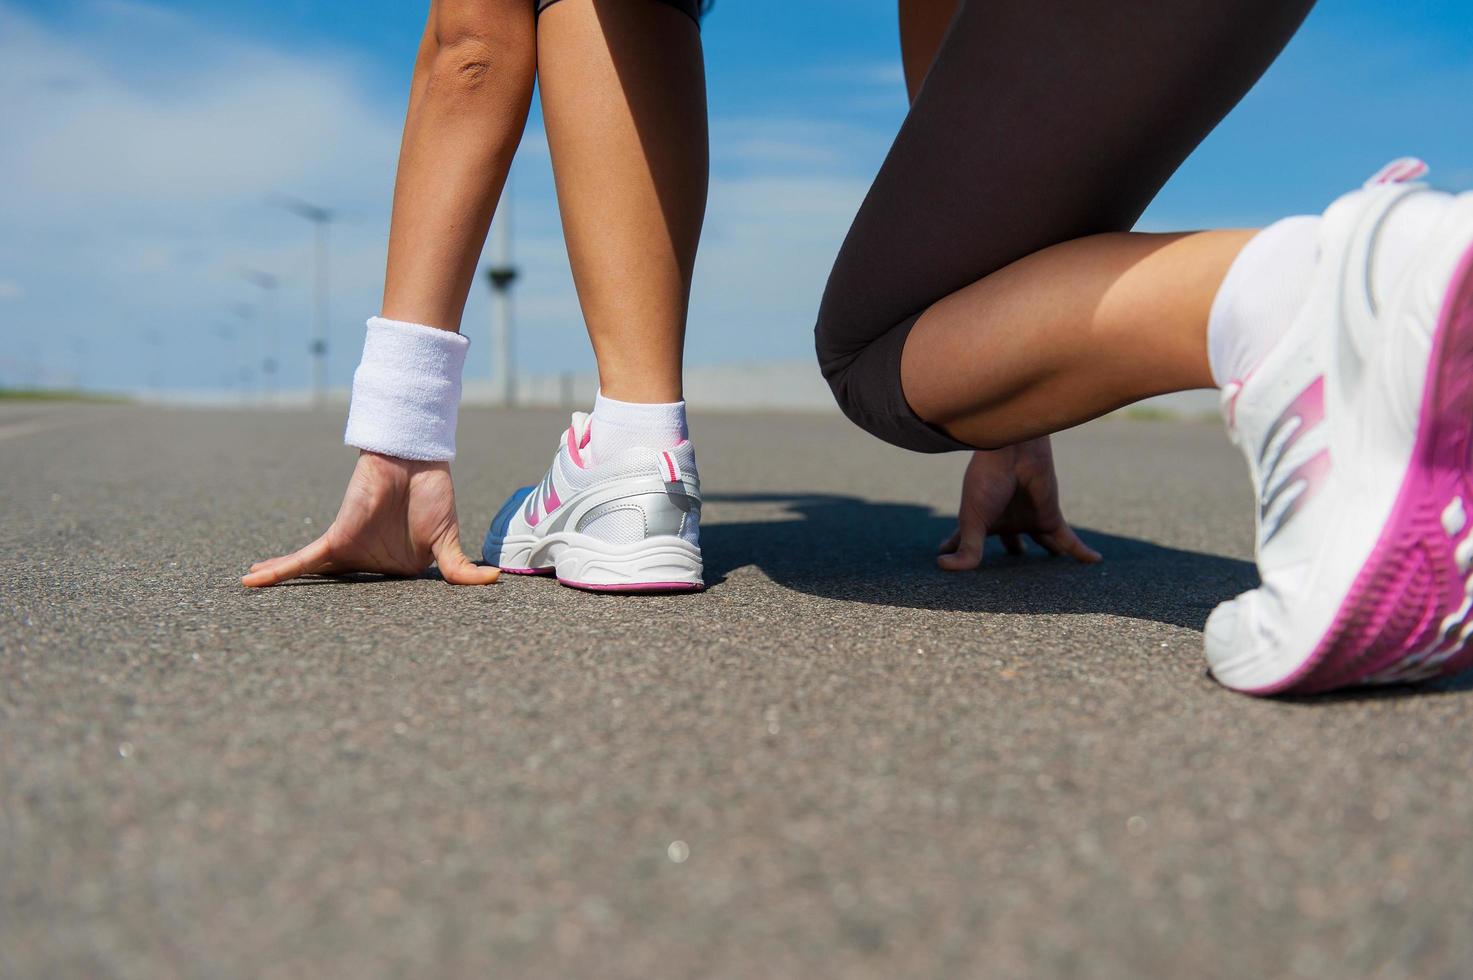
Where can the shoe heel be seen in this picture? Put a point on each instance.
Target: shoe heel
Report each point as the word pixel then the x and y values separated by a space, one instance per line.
pixel 658 564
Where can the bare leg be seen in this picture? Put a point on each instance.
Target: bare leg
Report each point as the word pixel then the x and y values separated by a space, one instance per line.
pixel 1009 492
pixel 467 105
pixel 988 291
pixel 1074 307
pixel 623 95
pixel 1096 323
pixel 1033 128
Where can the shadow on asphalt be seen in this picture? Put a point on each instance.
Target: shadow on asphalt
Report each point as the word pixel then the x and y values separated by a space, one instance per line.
pixel 857 550
pixel 841 547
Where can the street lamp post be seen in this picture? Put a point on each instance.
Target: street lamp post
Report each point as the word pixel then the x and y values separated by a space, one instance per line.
pixel 267 283
pixel 321 219
pixel 501 275
pixel 155 341
pixel 247 314
pixel 225 333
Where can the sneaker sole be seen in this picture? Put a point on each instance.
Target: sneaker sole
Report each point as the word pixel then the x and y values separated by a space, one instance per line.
pixel 1408 615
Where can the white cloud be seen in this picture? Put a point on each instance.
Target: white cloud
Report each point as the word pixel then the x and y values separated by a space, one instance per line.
pixel 138 158
pixel 134 191
pixel 763 263
pixel 889 74
pixel 238 121
pixel 769 146
pixel 138 147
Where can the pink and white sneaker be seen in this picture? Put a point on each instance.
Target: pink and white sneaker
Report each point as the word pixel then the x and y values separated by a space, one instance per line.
pixel 631 523
pixel 1356 427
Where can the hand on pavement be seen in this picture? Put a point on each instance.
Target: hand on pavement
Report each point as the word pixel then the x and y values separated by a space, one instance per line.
pixel 1011 492
pixel 398 516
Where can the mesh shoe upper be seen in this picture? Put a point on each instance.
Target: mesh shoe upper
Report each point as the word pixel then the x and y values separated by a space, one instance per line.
pixel 634 494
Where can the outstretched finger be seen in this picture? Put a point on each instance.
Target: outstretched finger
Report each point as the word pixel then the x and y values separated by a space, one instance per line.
pixel 310 559
pixel 1065 542
pixel 967 555
pixel 270 563
pixel 456 568
pixel 949 545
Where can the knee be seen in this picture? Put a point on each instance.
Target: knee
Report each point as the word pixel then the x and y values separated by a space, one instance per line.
pixel 832 352
pixel 834 345
pixel 480 51
pixel 861 361
pixel 834 341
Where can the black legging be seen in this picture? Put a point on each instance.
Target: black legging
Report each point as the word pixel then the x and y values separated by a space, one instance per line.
pixel 1041 121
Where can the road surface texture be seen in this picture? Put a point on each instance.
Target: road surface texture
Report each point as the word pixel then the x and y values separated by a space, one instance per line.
pixel 836 762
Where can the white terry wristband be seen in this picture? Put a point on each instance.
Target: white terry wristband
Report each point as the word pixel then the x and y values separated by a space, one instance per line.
pixel 406 391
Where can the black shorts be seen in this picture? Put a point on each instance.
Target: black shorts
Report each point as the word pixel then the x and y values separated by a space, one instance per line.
pixel 1038 123
pixel 691 8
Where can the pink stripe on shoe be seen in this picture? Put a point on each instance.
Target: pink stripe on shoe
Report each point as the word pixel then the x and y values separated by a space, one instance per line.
pixel 573 448
pixel 1299 418
pixel 1399 171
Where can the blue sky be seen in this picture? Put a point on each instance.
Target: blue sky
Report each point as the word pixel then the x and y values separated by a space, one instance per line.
pixel 143 138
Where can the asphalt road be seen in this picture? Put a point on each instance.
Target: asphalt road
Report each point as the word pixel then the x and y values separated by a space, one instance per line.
pixel 836 762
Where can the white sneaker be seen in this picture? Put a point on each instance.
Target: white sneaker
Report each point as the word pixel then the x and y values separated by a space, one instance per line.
pixel 1356 427
pixel 629 524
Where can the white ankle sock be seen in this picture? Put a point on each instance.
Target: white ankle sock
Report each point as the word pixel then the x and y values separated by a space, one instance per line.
pixel 1402 232
pixel 1259 297
pixel 620 425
